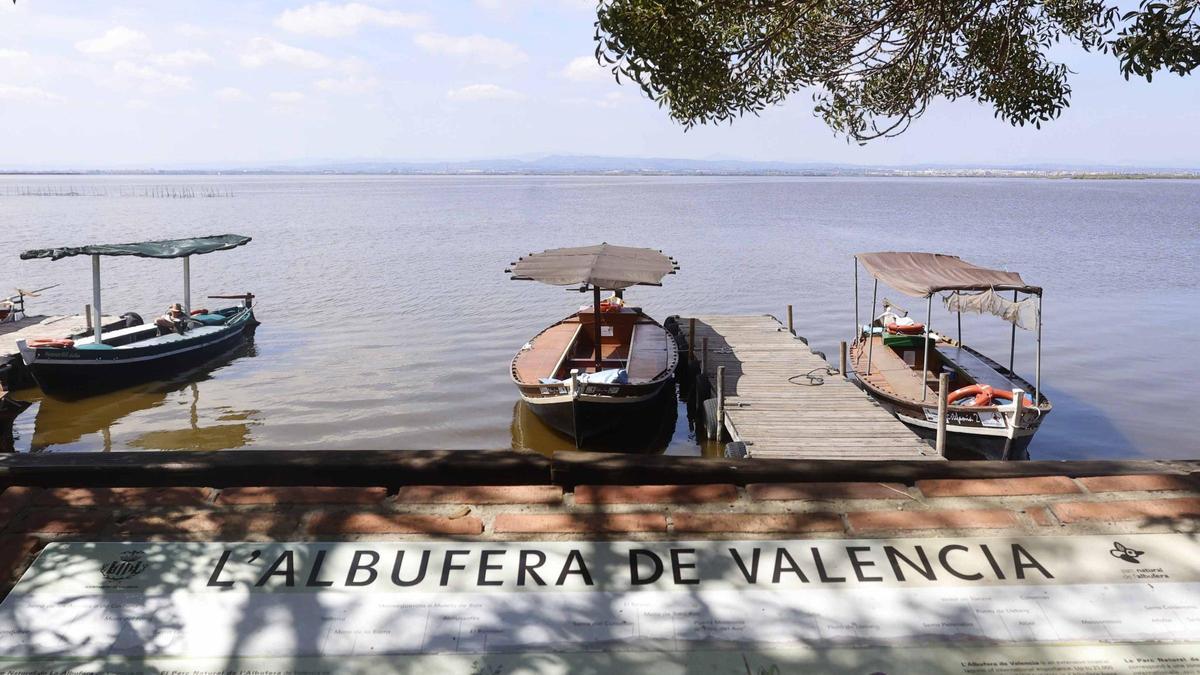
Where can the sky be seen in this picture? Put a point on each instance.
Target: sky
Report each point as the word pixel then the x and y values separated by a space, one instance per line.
pixel 170 84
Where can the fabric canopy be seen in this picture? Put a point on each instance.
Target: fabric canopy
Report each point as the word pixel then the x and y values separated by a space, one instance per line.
pixel 922 274
pixel 603 266
pixel 166 248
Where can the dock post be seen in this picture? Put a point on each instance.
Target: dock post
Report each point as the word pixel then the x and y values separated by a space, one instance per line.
pixel 720 401
pixel 1018 408
pixel 943 395
pixel 704 356
pixel 791 323
pixel 691 340
pixel 842 359
pixel 87 313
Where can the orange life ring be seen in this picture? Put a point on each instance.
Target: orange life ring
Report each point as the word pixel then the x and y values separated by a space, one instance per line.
pixel 1008 396
pixel 198 311
pixel 50 343
pixel 983 394
pixel 910 329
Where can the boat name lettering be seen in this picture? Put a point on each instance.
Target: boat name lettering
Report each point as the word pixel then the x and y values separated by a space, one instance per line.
pixel 952 417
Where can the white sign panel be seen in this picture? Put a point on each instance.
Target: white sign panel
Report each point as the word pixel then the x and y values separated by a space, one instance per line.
pixel 953 605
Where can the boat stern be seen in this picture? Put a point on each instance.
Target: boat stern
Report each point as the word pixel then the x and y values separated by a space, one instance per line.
pixel 28 354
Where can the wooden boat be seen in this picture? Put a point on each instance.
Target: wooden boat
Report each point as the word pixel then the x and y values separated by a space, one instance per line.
pixel 104 360
pixel 605 366
pixel 12 308
pixel 993 412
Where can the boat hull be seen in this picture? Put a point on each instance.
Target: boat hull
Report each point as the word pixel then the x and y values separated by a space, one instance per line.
pixel 990 432
pixel 70 374
pixel 583 410
pixel 586 416
pixel 989 435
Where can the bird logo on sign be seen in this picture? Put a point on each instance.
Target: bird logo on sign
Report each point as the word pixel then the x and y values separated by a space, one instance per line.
pixel 1125 553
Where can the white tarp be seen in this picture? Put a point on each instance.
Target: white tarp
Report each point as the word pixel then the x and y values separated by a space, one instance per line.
pixel 1023 313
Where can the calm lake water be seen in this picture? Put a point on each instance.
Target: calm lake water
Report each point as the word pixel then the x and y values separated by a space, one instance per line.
pixel 388 322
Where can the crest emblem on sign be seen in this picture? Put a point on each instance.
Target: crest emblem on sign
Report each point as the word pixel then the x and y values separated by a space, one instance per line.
pixel 1125 553
pixel 129 564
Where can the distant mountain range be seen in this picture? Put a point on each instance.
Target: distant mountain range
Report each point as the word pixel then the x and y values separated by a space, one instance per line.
pixel 600 165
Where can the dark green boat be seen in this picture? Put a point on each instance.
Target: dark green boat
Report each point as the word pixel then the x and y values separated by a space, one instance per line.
pixel 83 365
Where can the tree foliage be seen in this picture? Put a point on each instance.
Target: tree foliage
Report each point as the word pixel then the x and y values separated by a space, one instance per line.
pixel 876 65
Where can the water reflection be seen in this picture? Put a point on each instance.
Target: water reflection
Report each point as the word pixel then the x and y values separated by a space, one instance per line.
pixel 63 423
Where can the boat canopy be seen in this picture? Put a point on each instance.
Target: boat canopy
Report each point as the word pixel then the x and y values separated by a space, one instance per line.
pixel 923 274
pixel 600 266
pixel 164 248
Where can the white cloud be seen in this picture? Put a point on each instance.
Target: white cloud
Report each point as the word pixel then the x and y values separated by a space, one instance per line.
pixel 231 95
pixel 483 92
pixel 137 104
pixel 183 58
pixel 286 97
pixel 608 101
pixel 586 69
pixel 348 85
pixel 262 51
pixel 18 65
pixel 116 41
pixel 28 94
pixel 611 100
pixel 150 79
pixel 474 48
pixel 11 58
pixel 191 30
pixel 509 5
pixel 325 19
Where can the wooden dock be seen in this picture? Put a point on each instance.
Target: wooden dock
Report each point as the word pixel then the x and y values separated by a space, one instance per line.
pixel 778 412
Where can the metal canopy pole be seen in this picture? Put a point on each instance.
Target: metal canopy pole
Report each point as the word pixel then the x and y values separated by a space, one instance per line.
pixel 925 362
pixel 596 309
pixel 958 296
pixel 871 327
pixel 96 314
pixel 857 325
pixel 1037 367
pixel 187 285
pixel 1012 345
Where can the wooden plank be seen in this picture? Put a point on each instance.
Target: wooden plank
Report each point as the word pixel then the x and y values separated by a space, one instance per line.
pixel 274 467
pixel 581 468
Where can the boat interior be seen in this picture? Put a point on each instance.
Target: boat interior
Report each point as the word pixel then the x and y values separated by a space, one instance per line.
pixel 148 334
pixel 630 341
pixel 898 367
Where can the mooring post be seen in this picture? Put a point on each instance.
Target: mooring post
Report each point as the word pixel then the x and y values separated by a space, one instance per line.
pixel 691 340
pixel 87 313
pixel 943 394
pixel 720 401
pixel 842 359
pixel 1018 408
pixel 704 356
pixel 791 323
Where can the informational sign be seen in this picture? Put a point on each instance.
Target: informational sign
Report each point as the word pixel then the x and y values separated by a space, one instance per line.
pixel 1121 603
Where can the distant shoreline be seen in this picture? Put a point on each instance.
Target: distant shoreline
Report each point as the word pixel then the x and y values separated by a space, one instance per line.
pixel 899 173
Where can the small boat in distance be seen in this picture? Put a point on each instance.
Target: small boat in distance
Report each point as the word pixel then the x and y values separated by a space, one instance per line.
pixel 605 365
pixel 104 360
pixel 991 410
